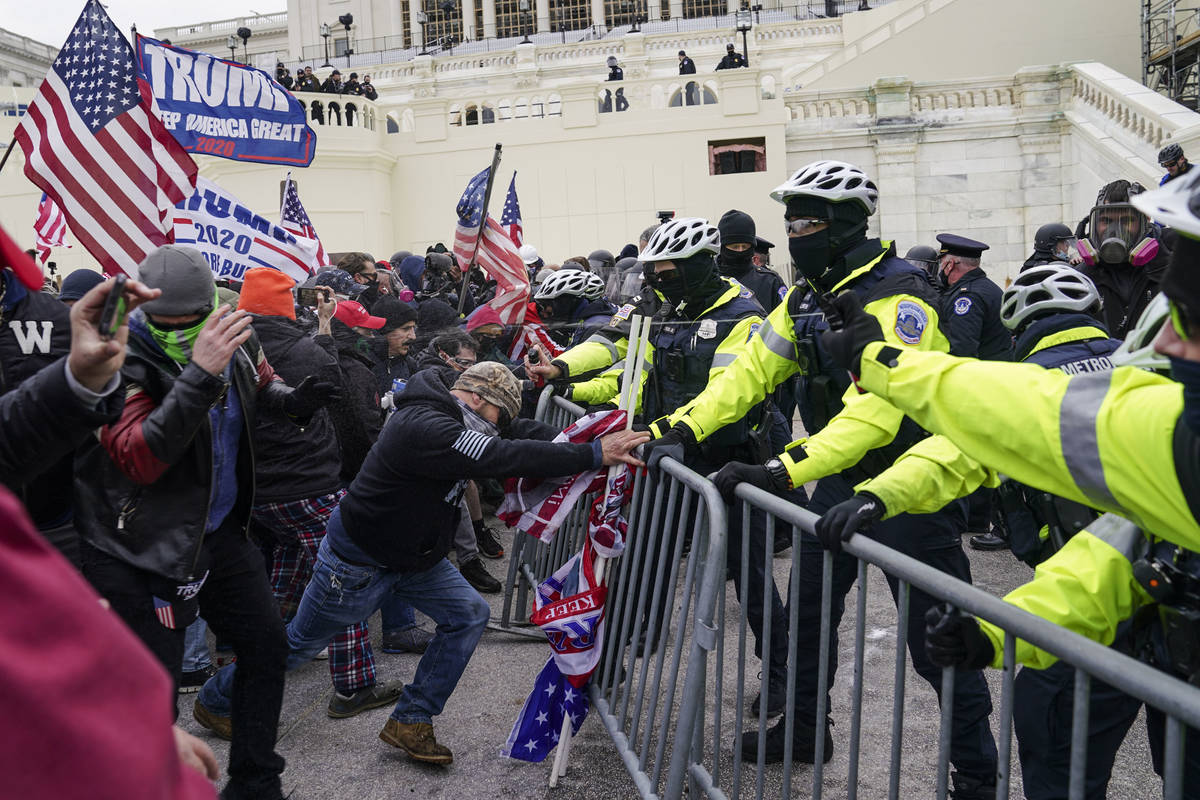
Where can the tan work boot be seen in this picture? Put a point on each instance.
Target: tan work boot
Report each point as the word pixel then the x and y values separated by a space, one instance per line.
pixel 222 726
pixel 417 740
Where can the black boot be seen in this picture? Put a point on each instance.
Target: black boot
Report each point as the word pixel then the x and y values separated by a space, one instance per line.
pixel 988 541
pixel 973 787
pixel 804 744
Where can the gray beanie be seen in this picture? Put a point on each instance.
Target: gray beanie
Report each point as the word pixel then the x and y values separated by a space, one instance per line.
pixel 184 277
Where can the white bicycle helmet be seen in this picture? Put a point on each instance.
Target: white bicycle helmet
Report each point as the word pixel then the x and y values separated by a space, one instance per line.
pixel 574 282
pixel 1050 287
pixel 681 238
pixel 1138 348
pixel 835 181
pixel 1172 205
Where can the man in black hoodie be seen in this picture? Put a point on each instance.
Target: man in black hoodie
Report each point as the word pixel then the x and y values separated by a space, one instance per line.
pixel 297 478
pixel 393 529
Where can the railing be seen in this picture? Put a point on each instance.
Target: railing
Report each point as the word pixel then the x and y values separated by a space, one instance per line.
pixel 339 110
pixel 667 609
pixel 31 47
pixel 222 27
pixel 1127 105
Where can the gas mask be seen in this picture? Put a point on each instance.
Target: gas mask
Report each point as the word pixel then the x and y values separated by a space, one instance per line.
pixel 1118 234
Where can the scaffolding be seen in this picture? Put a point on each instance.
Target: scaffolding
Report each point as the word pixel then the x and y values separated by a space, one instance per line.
pixel 1171 49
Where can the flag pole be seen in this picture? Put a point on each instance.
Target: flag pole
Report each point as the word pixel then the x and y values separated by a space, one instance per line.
pixel 8 151
pixel 635 353
pixel 487 195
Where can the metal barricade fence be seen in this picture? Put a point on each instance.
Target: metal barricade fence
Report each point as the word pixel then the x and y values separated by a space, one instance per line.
pixel 532 561
pixel 708 756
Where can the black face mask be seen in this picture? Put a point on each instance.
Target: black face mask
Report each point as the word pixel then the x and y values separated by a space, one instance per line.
pixel 736 262
pixel 812 254
pixel 943 279
pixel 670 284
pixel 486 343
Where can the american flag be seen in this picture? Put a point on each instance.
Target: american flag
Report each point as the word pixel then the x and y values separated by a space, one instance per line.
pixel 510 217
pixel 165 612
pixel 497 254
pixel 539 506
pixel 569 608
pixel 94 144
pixel 50 228
pixel 294 219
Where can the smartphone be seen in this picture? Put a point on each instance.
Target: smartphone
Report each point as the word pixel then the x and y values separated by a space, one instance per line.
pixel 308 297
pixel 112 316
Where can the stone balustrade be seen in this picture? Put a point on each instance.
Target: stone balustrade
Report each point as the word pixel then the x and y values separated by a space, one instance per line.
pixel 1126 104
pixel 339 111
pixel 222 27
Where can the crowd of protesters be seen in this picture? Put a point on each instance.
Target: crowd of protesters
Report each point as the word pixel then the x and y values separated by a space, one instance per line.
pixel 275 462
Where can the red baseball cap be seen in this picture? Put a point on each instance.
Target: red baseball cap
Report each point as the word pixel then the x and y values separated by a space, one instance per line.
pixel 353 314
pixel 16 259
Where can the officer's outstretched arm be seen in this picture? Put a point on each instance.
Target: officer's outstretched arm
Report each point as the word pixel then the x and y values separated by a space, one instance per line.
pixel 606 387
pixel 1087 587
pixel 1104 439
pixel 926 477
pixel 595 353
pixel 748 372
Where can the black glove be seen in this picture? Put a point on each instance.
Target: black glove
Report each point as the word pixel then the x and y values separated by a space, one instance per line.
pixel 954 640
pixel 847 518
pixel 310 396
pixel 857 330
pixel 736 472
pixel 676 443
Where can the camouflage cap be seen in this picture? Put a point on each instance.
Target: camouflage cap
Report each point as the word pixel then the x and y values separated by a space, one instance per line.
pixel 494 383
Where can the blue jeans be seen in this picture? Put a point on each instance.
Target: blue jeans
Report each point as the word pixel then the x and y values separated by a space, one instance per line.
pixel 341 593
pixel 195 646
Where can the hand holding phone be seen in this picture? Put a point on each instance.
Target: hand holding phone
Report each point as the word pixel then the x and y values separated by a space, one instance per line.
pixel 116 306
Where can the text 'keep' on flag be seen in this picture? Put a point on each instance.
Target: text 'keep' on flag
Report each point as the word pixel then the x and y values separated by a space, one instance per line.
pixel 94 144
pixel 569 608
pixel 222 108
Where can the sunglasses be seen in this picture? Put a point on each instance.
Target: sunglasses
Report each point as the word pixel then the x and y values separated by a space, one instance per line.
pixel 1170 164
pixel 802 226
pixel 463 362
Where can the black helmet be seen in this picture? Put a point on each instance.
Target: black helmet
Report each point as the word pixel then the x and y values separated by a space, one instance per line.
pixel 1169 154
pixel 601 260
pixel 1050 235
pixel 922 252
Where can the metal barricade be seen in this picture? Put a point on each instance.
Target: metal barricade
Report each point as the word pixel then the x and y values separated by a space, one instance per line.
pixel 532 561
pixel 659 625
pixel 708 757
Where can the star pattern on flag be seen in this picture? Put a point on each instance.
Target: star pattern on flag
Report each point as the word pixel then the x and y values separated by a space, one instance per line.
pixel 293 210
pixel 540 723
pixel 96 65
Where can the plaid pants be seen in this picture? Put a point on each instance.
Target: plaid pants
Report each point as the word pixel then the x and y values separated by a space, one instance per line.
pixel 298 528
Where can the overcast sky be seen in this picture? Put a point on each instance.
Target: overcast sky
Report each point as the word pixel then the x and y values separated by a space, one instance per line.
pixel 50 20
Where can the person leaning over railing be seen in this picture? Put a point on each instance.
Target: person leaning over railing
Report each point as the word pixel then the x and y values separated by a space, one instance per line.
pixel 853 437
pixel 1125 441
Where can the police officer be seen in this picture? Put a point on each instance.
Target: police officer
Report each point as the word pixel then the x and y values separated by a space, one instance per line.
pixel 852 438
pixel 1053 243
pixel 970 313
pixel 762 252
pixel 925 257
pixel 1125 441
pixel 736 259
pixel 703 323
pixel 571 302
pixel 970 309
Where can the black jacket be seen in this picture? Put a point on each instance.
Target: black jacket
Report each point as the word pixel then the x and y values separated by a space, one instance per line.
pixel 358 416
pixel 1126 291
pixel 295 463
pixel 35 331
pixel 970 318
pixel 731 60
pixel 403 507
pixel 143 490
pixel 42 421
pixel 389 368
pixel 687 66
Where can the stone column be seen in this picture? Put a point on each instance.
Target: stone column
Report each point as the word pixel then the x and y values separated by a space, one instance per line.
pixel 468 20
pixel 1044 193
pixel 414 26
pixel 543 16
pixel 489 19
pixel 896 139
pixel 598 14
pixel 653 10
pixel 676 9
